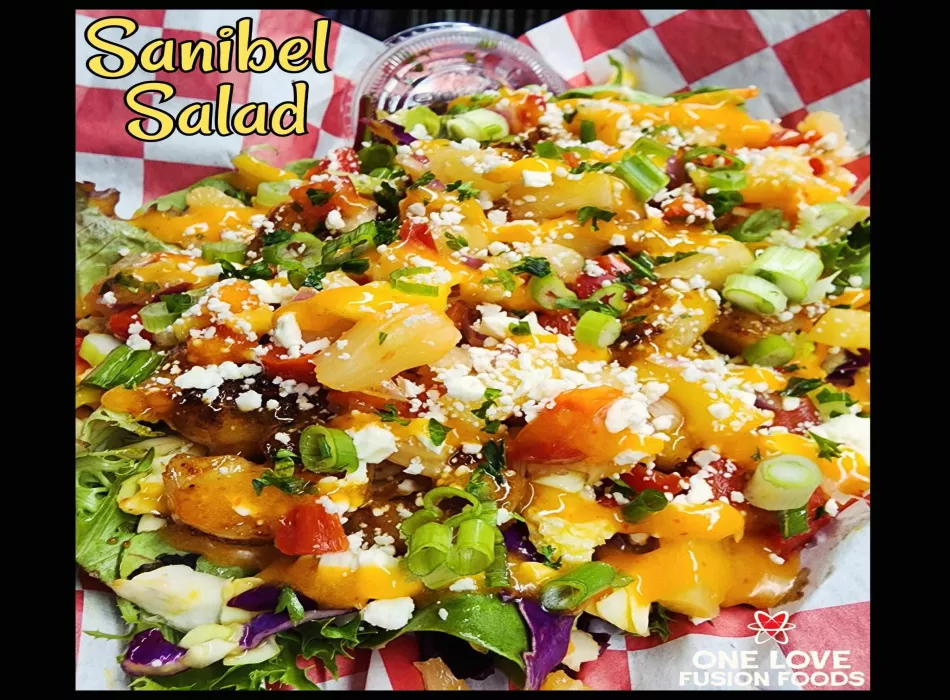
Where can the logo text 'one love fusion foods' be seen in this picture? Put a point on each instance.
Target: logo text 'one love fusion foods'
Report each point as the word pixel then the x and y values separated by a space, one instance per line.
pixel 234 50
pixel 756 669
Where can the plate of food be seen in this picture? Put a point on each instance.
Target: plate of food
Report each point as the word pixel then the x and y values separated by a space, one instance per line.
pixel 526 366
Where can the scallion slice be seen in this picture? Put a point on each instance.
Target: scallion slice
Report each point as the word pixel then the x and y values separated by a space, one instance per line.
pixel 829 217
pixel 325 449
pixel 416 288
pixel 785 482
pixel 571 591
pixel 651 147
pixel 757 226
pixel 96 347
pixel 422 516
pixel 612 295
pixel 597 329
pixel 754 294
pixel 272 194
pixel 428 547
pixel 547 290
pixel 793 270
pixel 479 124
pixel 645 503
pixel 474 548
pixel 731 162
pixel 422 115
pixel 432 499
pixel 725 180
pixel 232 251
pixel 773 351
pixel 641 176
pixel 496 575
pixel 301 250
pixel 793 522
pixel 618 92
pixel 588 131
pixel 124 367
pixel 156 317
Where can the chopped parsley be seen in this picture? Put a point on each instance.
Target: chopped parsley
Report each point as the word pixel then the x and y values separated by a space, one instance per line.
pixel 280 235
pixel 799 386
pixel 519 328
pixel 292 485
pixel 676 257
pixel 502 277
pixel 288 601
pixel 437 431
pixel 539 267
pixel 424 179
pixel 389 414
pixel 455 242
pixel 382 337
pixel 826 448
pixel 546 552
pixel 594 214
pixel 318 197
pixel 258 271
pixel 465 190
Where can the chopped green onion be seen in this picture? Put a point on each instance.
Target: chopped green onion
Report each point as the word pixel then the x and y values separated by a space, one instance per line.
pixel 641 176
pixel 588 131
pixel 124 367
pixel 272 194
pixel 416 288
pixel 651 147
pixel 617 92
pixel 376 155
pixel 773 351
pixel 479 124
pixel 732 163
pixel 793 270
pixel 431 500
pixel 156 317
pixel 547 290
pixel 547 149
pixel 645 503
pixel 496 575
pixel 723 202
pixel 597 329
pixel 793 522
pixel 612 295
pixel 725 180
pixel 758 226
pixel 474 548
pixel 425 116
pixel 408 526
pixel 520 328
pixel 96 347
pixel 325 449
pixel 754 294
pixel 785 482
pixel 300 250
pixel 571 591
pixel 180 303
pixel 829 217
pixel 232 251
pixel 428 547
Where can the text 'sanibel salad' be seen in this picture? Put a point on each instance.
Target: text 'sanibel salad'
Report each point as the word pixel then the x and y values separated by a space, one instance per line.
pixel 516 369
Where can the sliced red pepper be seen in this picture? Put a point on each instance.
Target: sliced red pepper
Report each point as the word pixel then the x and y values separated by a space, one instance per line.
pixel 639 479
pixel 418 232
pixel 790 137
pixel 120 321
pixel 784 547
pixel 798 420
pixel 300 369
pixel 612 265
pixel 309 529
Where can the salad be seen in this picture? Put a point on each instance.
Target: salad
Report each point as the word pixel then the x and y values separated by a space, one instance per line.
pixel 516 370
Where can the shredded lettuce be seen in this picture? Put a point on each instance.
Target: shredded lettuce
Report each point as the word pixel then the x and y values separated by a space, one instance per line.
pixel 99 238
pixel 176 200
pixel 102 530
pixel 110 430
pixel 850 256
pixel 300 167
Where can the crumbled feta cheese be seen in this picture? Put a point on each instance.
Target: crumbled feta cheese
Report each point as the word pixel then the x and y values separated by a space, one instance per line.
pixel 373 443
pixel 464 584
pixel 464 388
pixel 535 178
pixel 389 614
pixel 248 401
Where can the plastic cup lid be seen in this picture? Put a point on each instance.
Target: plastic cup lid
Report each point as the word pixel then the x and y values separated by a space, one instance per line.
pixel 434 63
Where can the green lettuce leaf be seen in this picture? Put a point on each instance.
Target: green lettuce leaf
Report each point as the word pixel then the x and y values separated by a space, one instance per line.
pixel 176 200
pixel 326 640
pixel 101 528
pixel 143 549
pixel 99 239
pixel 110 430
pixel 482 620
pixel 300 167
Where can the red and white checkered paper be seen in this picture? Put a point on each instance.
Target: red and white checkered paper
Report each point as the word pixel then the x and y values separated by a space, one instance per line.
pixel 801 60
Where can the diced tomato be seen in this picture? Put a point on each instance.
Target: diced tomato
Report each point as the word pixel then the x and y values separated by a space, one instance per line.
pixel 639 479
pixel 722 482
pixel 798 420
pixel 299 369
pixel 418 232
pixel 790 137
pixel 309 529
pixel 365 403
pixel 571 159
pixel 784 547
pixel 817 166
pixel 342 196
pixel 562 321
pixel 675 209
pixel 530 110
pixel 340 159
pixel 120 321
pixel 612 265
